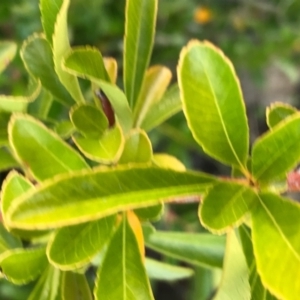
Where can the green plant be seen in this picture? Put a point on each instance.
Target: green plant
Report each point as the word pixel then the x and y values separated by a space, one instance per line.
pixel 89 184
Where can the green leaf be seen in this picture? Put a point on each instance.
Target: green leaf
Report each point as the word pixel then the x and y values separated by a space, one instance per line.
pixel 234 282
pixel 258 291
pixel 277 151
pixel 7 161
pixel 13 186
pixel 225 205
pixel 106 150
pixel 111 67
pixel 23 265
pixel 82 196
pixel 7 240
pixel 64 129
pixel 73 247
pixel 20 103
pixel 87 61
pixel 42 105
pixel 138 42
pixel 167 161
pixel 161 271
pixel 115 96
pixel 42 150
pixel 156 81
pixel 169 105
pixel 277 112
pixel 137 149
pixel 4 119
pixel 198 249
pixel 49 11
pixel 89 120
pixel 60 47
pixel 36 54
pixel 152 213
pixel 75 287
pixel 122 274
pixel 8 51
pixel 213 103
pixel 47 287
pixel 276 243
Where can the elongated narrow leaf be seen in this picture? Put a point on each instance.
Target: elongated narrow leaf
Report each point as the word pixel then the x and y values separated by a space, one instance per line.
pixel 107 149
pixel 258 291
pixel 234 282
pixel 43 151
pixel 7 53
pixel 36 54
pixel 197 249
pixel 75 287
pixel 156 81
pixel 169 105
pixel 74 246
pixel 161 271
pixel 213 103
pixel 7 161
pixel 137 148
pixel 225 205
pixel 122 274
pixel 138 43
pixel 49 11
pixel 90 195
pixel 278 151
pixel 88 61
pixel 276 243
pixel 277 112
pixel 20 103
pixel 60 47
pixel 23 265
pixel 47 287
pixel 7 240
pixel 89 120
pixel 115 96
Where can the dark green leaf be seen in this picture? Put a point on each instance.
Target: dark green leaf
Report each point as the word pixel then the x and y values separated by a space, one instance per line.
pixel 37 57
pixel 75 287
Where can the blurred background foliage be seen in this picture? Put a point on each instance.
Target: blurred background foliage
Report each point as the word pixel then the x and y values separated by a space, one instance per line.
pixel 261 37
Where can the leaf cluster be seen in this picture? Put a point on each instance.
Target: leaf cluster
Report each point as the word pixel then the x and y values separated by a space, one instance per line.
pixel 88 184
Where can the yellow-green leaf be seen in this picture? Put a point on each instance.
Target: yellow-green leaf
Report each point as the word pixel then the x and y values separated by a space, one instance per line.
pixel 213 103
